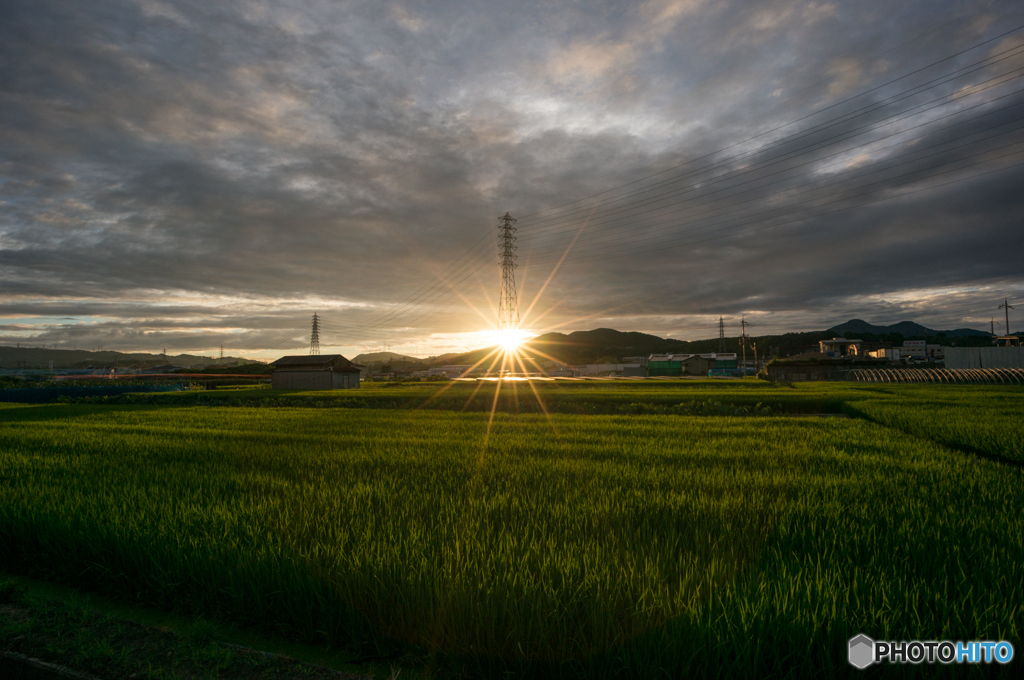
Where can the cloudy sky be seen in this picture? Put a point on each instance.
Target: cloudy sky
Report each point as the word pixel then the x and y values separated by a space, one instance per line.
pixel 187 174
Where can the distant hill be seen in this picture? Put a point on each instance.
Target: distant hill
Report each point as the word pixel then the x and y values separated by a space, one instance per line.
pixel 443 358
pixel 246 369
pixel 38 357
pixel 606 344
pixel 907 329
pixel 582 347
pixel 588 346
pixel 383 358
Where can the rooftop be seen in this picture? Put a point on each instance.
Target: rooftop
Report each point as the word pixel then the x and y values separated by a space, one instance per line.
pixel 324 360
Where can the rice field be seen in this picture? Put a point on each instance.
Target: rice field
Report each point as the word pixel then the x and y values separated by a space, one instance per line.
pixel 573 546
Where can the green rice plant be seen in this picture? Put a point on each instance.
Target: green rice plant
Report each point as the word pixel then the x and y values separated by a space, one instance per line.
pixel 590 547
pixel 983 421
pixel 582 398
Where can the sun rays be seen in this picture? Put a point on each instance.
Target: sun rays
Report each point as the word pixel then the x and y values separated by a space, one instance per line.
pixel 512 358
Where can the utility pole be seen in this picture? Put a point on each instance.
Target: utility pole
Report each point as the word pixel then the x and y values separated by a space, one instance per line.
pixel 222 351
pixel 721 335
pixel 743 342
pixel 508 304
pixel 1007 307
pixel 314 336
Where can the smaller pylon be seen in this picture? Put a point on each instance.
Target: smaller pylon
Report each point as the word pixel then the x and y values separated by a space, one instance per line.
pixel 314 336
pixel 721 335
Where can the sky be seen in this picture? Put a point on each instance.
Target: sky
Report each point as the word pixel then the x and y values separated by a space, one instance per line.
pixel 187 175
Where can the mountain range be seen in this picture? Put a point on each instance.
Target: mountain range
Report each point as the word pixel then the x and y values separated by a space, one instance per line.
pixel 40 357
pixel 579 347
pixel 907 329
pixel 608 345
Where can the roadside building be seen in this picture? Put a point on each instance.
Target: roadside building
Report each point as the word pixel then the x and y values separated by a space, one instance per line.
pixel 839 347
pixel 450 371
pixel 598 369
pixel 724 359
pixel 920 350
pixel 984 357
pixel 315 372
pixel 698 364
pixel 689 364
pixel 666 364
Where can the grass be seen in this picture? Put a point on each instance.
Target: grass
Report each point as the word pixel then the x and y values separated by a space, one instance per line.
pixel 580 546
pixel 689 397
pixel 99 639
pixel 974 419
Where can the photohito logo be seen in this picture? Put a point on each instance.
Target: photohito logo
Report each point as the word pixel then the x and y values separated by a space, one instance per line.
pixel 863 651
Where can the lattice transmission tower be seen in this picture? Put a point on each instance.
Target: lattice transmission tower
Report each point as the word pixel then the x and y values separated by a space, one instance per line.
pixel 314 336
pixel 508 305
pixel 721 335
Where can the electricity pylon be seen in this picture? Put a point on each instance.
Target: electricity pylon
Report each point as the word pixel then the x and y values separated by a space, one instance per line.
pixel 721 335
pixel 314 336
pixel 508 305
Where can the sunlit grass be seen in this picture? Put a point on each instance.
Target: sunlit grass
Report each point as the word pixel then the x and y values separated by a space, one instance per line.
pixel 644 545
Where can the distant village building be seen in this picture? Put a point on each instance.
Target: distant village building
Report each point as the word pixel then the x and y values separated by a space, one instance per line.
pixel 984 357
pixel 315 372
pixel 887 353
pixel 920 350
pixel 450 371
pixel 607 369
pixel 840 347
pixel 689 364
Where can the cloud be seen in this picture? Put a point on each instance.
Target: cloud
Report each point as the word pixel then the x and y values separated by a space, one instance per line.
pixel 254 162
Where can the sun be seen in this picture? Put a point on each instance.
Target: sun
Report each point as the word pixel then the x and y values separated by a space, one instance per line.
pixel 509 339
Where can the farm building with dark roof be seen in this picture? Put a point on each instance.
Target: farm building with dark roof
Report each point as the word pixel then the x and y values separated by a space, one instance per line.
pixel 314 372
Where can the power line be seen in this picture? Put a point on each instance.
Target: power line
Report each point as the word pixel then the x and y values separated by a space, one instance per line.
pixel 736 207
pixel 429 293
pixel 473 259
pixel 679 242
pixel 854 132
pixel 847 176
pixel 784 125
pixel 714 234
pixel 1006 307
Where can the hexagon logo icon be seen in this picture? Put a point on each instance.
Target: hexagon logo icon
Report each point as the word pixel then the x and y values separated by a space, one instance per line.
pixel 862 651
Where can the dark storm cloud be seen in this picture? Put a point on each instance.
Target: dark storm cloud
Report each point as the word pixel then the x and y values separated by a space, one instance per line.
pixel 171 171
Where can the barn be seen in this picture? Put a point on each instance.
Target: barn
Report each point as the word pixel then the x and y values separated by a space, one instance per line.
pixel 314 372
